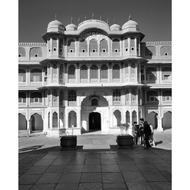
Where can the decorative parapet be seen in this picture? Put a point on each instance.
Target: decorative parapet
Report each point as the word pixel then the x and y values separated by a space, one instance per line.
pixel 158 43
pixel 39 44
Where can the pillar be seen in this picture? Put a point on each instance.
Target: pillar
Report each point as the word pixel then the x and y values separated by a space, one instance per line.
pixel 159 128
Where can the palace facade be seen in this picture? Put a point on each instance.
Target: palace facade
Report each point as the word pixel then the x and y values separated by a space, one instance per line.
pixel 93 77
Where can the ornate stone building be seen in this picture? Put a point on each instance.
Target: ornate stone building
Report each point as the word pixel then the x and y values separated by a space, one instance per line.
pixel 93 77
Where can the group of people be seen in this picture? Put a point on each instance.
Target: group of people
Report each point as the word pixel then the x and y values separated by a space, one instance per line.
pixel 143 133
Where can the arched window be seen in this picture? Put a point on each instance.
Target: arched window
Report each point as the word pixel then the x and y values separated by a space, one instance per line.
pixel 35 52
pixel 72 95
pixel 104 72
pixel 116 72
pixel 22 97
pixel 117 118
pixel 22 75
pixel 22 123
pixel 84 72
pixel 93 46
pixel 103 46
pixel 94 102
pixel 72 119
pixel 71 46
pixel 22 52
pixel 36 97
pixel 152 96
pixel 55 120
pixel 36 75
pixel 134 95
pixel 49 120
pixel 134 116
pixel 94 72
pixel 115 46
pixel 83 46
pixel 71 72
pixel 36 122
pixel 116 95
pixel 133 68
pixel 127 118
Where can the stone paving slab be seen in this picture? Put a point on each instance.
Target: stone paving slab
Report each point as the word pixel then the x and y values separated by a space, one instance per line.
pixel 130 169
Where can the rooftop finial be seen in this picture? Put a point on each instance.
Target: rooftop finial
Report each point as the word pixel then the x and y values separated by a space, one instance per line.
pixel 92 15
pixel 55 16
pixel 130 17
pixel 100 17
pixel 107 20
pixel 71 20
pixel 84 17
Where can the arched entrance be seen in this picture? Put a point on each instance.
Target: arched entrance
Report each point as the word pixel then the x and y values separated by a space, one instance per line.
pixel 94 121
pixel 94 108
pixel 167 120
pixel 152 119
pixel 22 124
pixel 36 122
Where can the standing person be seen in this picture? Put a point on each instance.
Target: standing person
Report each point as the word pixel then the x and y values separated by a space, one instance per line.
pixel 135 131
pixel 147 134
pixel 141 130
pixel 152 142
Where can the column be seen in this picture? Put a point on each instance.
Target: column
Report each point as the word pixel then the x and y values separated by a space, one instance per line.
pixel 88 73
pixel 57 47
pixel 110 72
pixel 79 118
pixel 78 73
pixel 28 76
pixel 77 48
pixel 28 126
pixel 99 73
pixel 66 119
pixel 129 46
pixel 135 47
pixel 139 45
pixel 66 73
pixel 51 48
pixel 121 47
pixel 159 123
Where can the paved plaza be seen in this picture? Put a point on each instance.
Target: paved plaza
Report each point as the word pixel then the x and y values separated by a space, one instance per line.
pixel 98 166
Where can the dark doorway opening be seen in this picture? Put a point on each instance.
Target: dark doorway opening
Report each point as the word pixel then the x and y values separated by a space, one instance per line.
pixel 36 123
pixel 94 121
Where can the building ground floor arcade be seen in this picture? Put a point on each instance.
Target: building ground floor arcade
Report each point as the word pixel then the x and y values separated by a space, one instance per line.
pixel 93 111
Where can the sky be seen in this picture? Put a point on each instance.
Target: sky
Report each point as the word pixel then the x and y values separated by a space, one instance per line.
pixel 153 16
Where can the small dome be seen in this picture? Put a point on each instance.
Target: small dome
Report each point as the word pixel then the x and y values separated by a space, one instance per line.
pixel 71 27
pixel 115 27
pixel 130 26
pixel 55 26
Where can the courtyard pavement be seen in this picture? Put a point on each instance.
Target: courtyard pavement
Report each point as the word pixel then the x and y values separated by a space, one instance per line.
pixel 43 166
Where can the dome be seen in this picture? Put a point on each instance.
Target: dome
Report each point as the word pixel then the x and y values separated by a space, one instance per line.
pixel 115 27
pixel 93 23
pixel 130 26
pixel 55 26
pixel 71 27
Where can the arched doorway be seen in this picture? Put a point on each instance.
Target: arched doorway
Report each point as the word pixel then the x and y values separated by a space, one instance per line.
pixel 116 118
pixel 94 121
pixel 72 119
pixel 167 120
pixel 22 124
pixel 152 119
pixel 36 122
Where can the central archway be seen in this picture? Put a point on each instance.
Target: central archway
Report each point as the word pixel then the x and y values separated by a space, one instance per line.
pixel 94 121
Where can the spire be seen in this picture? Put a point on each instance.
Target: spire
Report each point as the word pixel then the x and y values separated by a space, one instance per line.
pixel 92 15
pixel 130 17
